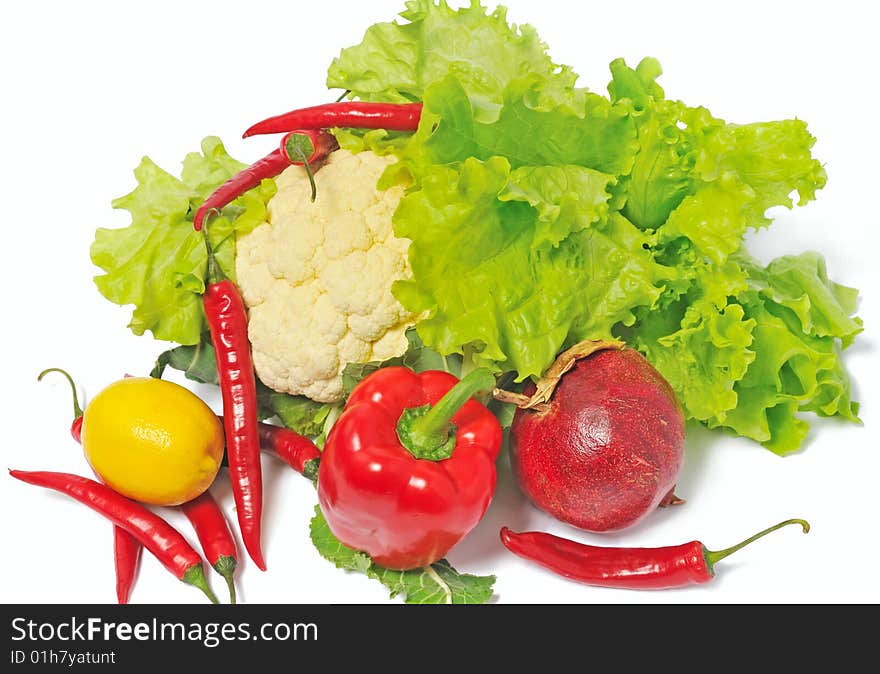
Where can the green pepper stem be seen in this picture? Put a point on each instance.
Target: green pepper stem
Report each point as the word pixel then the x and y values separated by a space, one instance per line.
pixel 195 576
pixel 225 566
pixel 432 430
pixel 310 469
pixel 299 146
pixel 230 583
pixel 713 557
pixel 77 410
pixel 214 272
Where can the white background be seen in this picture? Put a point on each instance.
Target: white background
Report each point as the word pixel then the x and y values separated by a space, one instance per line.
pixel 90 87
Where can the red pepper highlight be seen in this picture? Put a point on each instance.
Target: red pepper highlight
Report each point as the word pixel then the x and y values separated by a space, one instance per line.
pixel 126 548
pixel 355 114
pixel 215 536
pixel 631 568
pixel 313 146
pixel 227 322
pixel 409 467
pixel 150 530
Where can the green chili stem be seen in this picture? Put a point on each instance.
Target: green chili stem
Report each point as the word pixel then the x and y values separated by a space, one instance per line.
pixel 225 566
pixel 195 576
pixel 214 272
pixel 713 557
pixel 77 410
pixel 230 583
pixel 296 149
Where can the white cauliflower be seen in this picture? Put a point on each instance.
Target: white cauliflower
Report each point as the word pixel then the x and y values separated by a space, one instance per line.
pixel 317 277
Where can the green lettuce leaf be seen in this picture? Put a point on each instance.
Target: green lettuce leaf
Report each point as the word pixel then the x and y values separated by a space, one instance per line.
pixel 669 135
pixel 798 343
pixel 484 279
pixel 752 348
pixel 696 176
pixel 703 357
pixel 533 127
pixel 158 262
pixel 396 62
pixel 439 583
pixel 567 199
pixel 800 283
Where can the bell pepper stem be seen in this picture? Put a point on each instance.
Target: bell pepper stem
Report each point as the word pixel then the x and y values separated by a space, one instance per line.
pixel 713 557
pixel 431 430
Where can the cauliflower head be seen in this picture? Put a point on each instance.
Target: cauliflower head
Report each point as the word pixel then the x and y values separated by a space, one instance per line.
pixel 316 277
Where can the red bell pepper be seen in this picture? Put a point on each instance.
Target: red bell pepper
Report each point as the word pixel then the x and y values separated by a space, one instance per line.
pixel 409 467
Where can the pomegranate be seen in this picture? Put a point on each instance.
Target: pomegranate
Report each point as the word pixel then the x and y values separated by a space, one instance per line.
pixel 600 442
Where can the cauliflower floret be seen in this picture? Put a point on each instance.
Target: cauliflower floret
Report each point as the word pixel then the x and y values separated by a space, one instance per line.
pixel 317 276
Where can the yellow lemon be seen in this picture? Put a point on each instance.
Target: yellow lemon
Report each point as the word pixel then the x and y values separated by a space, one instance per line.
pixel 152 440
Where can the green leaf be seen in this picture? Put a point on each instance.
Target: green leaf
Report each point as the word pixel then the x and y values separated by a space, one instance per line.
pixel 396 62
pixel 669 137
pixel 801 284
pixel 298 413
pixel 484 284
pixel 197 362
pixel 793 371
pixel 333 550
pixel 752 348
pixel 696 176
pixel 772 158
pixel 533 127
pixel 704 358
pixel 439 583
pixel 567 198
pixel 158 262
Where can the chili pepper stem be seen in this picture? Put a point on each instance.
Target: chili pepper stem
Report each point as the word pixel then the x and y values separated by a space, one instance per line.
pixel 299 147
pixel 230 583
pixel 310 469
pixel 225 566
pixel 715 556
pixel 423 434
pixel 77 410
pixel 214 273
pixel 195 576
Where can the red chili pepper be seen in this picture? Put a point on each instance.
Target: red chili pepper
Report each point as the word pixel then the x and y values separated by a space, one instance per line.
pixel 126 548
pixel 356 114
pixel 127 556
pixel 213 532
pixel 296 450
pixel 297 148
pixel 227 322
pixel 633 568
pixel 154 533
pixel 409 468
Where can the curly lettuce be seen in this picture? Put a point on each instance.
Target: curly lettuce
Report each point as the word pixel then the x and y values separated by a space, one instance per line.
pixel 541 214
